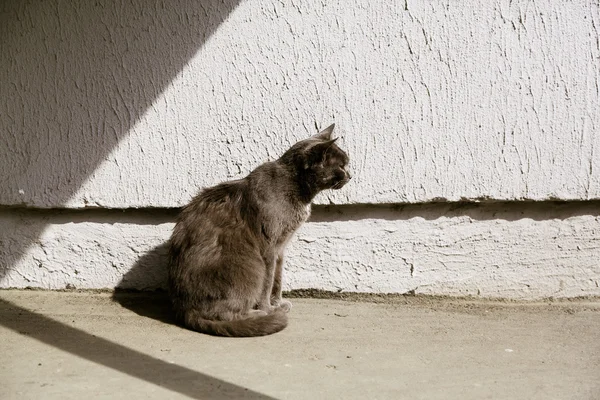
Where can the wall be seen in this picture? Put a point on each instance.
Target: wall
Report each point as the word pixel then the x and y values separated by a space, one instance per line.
pixel 121 105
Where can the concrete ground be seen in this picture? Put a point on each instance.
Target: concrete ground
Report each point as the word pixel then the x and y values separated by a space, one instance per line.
pixel 67 345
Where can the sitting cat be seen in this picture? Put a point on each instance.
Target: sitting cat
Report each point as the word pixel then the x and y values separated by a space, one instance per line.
pixel 226 251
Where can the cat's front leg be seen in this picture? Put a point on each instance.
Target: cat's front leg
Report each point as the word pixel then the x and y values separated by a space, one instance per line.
pixel 264 302
pixel 276 298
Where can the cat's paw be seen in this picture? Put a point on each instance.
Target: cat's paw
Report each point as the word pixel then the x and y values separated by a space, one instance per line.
pixel 281 304
pixel 284 305
pixel 257 313
pixel 266 308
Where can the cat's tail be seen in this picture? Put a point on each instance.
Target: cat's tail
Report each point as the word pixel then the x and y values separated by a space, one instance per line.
pixel 253 326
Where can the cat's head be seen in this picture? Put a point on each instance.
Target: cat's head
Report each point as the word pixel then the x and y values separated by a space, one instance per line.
pixel 320 160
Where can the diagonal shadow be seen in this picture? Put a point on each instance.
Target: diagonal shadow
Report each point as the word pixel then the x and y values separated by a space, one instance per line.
pixel 176 378
pixel 76 77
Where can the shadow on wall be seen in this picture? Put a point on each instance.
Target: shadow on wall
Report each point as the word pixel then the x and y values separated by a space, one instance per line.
pixel 173 377
pixel 484 211
pixel 76 77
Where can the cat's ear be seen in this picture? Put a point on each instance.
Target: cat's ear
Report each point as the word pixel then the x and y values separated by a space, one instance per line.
pixel 321 147
pixel 325 134
pixel 317 152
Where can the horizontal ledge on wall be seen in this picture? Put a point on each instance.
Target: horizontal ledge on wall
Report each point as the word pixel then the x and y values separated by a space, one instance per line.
pixel 506 210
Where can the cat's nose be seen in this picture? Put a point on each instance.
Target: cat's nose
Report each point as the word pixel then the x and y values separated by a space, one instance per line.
pixel 348 176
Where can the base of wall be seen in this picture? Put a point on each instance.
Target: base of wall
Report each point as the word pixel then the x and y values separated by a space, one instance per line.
pixel 498 250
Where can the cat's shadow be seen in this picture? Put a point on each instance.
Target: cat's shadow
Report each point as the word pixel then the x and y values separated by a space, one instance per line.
pixel 149 272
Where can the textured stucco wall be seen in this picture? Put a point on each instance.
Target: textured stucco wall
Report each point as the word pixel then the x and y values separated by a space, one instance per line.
pixel 130 104
pixel 503 250
pixel 123 104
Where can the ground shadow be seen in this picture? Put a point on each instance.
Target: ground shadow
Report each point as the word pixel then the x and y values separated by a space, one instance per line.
pixel 173 377
pixel 76 77
pixel 153 302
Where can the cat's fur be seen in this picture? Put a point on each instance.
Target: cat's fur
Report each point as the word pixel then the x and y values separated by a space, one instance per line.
pixel 226 251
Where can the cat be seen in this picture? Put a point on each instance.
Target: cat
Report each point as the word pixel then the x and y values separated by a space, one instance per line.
pixel 226 250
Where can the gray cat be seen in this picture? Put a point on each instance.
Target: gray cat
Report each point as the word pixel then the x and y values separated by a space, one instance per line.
pixel 226 251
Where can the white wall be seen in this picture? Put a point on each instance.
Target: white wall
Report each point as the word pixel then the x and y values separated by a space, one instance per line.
pixel 120 104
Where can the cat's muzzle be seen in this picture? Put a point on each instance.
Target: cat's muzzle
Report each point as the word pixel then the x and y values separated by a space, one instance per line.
pixel 341 184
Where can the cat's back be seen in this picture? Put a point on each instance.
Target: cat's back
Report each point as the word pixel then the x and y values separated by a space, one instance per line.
pixel 213 209
pixel 219 197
